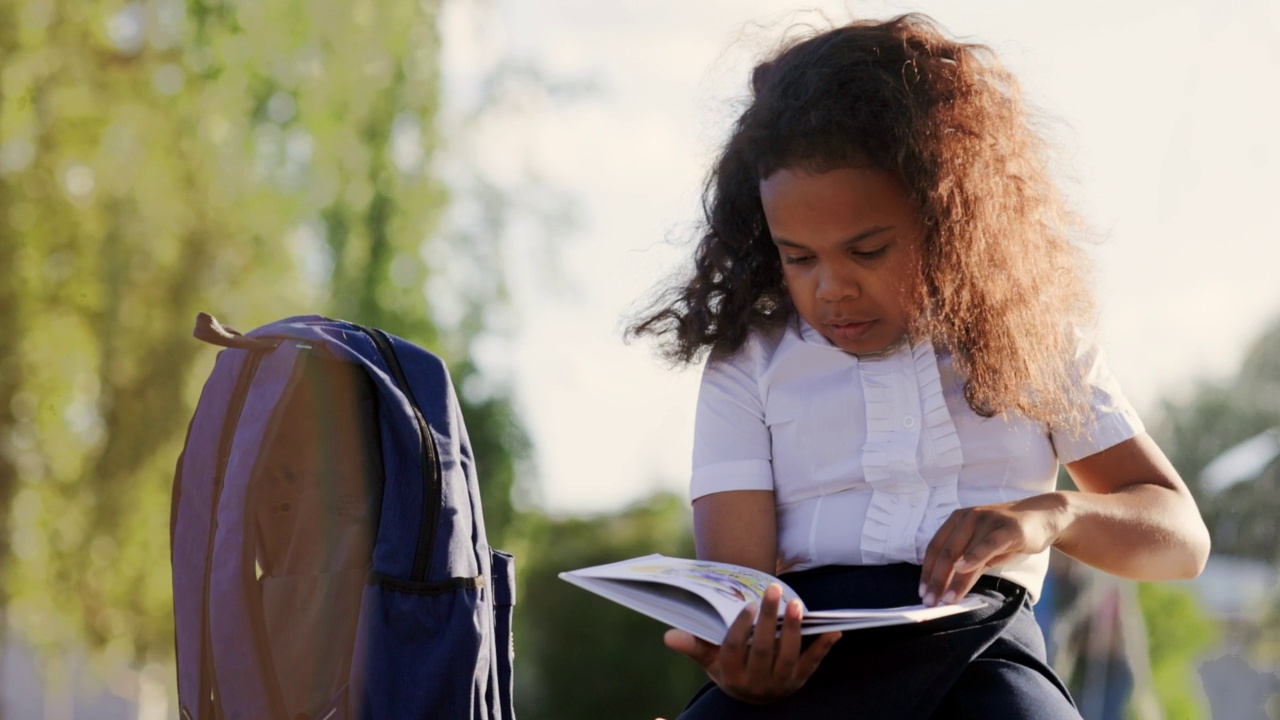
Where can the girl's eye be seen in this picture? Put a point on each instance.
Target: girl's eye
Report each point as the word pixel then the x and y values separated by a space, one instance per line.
pixel 796 260
pixel 871 254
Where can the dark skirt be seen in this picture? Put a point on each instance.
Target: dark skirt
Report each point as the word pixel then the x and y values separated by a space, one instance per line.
pixel 989 663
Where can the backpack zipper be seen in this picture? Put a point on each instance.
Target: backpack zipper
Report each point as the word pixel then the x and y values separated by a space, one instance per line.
pixel 431 474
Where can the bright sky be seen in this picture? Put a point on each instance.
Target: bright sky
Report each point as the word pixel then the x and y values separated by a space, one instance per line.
pixel 1167 114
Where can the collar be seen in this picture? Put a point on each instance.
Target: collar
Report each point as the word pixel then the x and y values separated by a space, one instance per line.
pixel 810 335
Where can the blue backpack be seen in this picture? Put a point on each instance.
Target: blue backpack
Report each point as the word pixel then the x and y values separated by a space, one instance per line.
pixel 328 546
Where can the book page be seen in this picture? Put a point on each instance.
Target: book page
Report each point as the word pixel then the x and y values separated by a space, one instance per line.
pixel 704 598
pixel 727 587
pixel 820 621
pixel 906 613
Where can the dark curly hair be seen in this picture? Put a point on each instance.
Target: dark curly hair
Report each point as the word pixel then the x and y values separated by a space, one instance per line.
pixel 1004 286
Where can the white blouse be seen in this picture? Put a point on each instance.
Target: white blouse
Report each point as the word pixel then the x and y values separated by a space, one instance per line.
pixel 867 457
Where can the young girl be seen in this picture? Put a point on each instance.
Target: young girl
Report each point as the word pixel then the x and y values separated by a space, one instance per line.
pixel 898 322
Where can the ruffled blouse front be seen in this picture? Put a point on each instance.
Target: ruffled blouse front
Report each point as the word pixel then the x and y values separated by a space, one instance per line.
pixel 868 456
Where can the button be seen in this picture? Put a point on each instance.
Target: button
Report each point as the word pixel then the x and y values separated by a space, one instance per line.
pixel 915 500
pixel 908 422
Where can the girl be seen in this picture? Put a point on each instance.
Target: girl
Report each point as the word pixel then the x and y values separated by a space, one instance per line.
pixel 898 322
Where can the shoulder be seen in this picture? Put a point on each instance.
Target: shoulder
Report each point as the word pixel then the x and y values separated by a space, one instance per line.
pixel 756 352
pixel 1091 373
pixel 1107 417
pixel 742 376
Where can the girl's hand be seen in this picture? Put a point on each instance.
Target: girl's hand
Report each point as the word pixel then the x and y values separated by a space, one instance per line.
pixel 976 538
pixel 753 665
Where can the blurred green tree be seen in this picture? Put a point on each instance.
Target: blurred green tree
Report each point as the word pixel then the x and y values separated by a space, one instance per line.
pixel 160 157
pixel 578 655
pixel 1194 429
pixel 1179 633
pixel 1211 419
pixel 11 314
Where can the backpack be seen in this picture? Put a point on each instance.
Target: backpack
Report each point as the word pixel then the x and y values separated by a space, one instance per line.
pixel 328 547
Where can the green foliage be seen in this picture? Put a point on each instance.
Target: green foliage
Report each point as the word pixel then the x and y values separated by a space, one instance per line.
pixel 1193 431
pixel 500 445
pixel 1215 417
pixel 1267 642
pixel 161 157
pixel 1243 517
pixel 580 656
pixel 1178 633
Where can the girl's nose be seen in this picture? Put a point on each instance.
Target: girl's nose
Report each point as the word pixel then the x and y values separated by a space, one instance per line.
pixel 834 286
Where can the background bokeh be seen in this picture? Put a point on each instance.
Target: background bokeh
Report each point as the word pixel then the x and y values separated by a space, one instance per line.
pixel 503 181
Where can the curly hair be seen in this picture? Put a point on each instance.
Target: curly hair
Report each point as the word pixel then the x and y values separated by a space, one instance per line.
pixel 1004 284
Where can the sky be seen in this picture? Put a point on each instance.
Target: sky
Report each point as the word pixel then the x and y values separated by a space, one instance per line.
pixel 1164 115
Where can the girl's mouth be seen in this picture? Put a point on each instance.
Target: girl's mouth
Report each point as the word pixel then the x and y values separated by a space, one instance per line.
pixel 850 331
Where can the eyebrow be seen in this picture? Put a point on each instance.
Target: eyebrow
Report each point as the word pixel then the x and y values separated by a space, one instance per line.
pixel 864 235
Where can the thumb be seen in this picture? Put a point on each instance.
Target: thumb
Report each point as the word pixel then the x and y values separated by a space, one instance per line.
pixel 701 651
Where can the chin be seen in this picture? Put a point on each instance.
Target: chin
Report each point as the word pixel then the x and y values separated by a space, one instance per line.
pixel 868 346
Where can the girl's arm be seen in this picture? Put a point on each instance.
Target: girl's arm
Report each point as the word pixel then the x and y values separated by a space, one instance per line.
pixel 740 526
pixel 1132 517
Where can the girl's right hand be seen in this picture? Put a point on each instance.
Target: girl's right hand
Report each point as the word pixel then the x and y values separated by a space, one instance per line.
pixel 753 665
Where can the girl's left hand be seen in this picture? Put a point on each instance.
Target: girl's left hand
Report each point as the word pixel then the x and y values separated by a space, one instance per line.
pixel 976 538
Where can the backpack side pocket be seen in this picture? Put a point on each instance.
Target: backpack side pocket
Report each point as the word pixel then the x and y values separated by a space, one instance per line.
pixel 504 600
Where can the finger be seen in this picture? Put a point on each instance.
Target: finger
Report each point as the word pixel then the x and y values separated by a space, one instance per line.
pixel 697 649
pixel 959 585
pixel 929 566
pixel 812 656
pixel 962 583
pixel 760 657
pixel 788 656
pixel 996 533
pixel 931 551
pixel 991 540
pixel 980 535
pixel 947 552
pixel 1000 531
pixel 733 651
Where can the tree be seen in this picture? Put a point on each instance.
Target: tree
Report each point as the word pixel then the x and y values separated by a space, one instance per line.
pixel 11 313
pixel 1215 417
pixel 579 656
pixel 159 158
pixel 1194 430
pixel 1178 635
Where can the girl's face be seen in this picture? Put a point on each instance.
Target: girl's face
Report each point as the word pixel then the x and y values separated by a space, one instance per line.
pixel 850 241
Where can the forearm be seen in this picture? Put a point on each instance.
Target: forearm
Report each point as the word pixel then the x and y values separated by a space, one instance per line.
pixel 1133 516
pixel 1142 532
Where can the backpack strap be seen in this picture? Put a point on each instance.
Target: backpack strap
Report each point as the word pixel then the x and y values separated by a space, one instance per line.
pixel 219 630
pixel 242 661
pixel 191 522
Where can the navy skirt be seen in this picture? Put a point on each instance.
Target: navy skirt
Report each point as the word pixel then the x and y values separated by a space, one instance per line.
pixel 989 663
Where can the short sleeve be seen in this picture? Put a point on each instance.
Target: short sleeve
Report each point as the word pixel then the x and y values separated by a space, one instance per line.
pixel 1110 418
pixel 731 445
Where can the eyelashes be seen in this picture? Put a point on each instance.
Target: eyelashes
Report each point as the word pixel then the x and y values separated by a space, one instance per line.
pixel 871 254
pixel 865 255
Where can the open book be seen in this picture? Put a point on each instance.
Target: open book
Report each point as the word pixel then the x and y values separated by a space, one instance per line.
pixel 704 598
